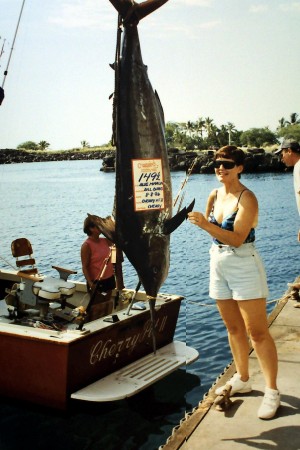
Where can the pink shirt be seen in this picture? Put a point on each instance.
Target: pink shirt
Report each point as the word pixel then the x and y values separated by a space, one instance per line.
pixel 99 251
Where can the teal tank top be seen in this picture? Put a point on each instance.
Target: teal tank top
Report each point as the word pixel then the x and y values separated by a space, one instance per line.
pixel 228 222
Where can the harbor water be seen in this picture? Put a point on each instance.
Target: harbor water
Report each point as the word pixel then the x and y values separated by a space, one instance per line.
pixel 47 203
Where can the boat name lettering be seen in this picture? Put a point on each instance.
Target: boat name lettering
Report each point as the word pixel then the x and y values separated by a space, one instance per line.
pixel 109 349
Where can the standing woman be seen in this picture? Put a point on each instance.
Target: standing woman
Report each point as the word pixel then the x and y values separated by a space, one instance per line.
pixel 237 276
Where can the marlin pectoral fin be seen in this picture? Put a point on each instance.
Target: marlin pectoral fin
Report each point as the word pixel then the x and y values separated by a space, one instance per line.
pixel 190 207
pixel 171 224
pixel 106 226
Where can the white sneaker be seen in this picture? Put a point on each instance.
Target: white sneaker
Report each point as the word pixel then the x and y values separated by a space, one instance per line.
pixel 238 386
pixel 270 404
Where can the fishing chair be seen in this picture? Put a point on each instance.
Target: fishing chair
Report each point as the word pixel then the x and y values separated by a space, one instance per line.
pixel 35 290
pixel 22 250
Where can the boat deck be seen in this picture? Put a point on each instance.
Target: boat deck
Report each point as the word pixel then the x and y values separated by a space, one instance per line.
pixel 71 333
pixel 239 427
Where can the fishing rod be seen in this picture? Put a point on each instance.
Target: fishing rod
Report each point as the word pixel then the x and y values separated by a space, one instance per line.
pixel 188 174
pixel 8 263
pixel 2 48
pixel 10 53
pixel 83 312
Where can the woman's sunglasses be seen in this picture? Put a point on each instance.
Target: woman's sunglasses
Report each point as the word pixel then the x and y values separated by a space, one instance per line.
pixel 226 164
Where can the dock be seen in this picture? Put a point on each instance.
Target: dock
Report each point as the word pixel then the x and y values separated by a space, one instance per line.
pixel 206 428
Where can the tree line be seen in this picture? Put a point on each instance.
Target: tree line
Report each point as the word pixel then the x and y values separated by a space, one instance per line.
pixel 204 133
pixel 43 145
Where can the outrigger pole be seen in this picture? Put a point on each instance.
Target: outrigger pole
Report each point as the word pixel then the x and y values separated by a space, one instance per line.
pixel 2 48
pixel 10 53
pixel 189 172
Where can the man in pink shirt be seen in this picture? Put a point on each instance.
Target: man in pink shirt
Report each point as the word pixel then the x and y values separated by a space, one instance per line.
pixel 98 270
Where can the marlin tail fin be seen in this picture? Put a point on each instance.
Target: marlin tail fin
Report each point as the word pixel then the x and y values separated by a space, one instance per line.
pixel 132 12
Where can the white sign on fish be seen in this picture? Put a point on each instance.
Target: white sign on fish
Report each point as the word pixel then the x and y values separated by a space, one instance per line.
pixel 148 186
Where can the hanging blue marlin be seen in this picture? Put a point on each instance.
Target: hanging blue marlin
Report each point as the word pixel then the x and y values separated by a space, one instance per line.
pixel 143 202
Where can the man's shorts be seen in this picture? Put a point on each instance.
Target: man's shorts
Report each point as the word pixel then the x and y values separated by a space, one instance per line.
pixel 106 284
pixel 237 273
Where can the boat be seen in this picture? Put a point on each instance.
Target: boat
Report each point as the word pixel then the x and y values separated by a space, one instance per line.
pixel 49 357
pixel 51 351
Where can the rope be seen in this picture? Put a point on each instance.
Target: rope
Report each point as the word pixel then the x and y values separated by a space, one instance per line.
pixel 105 263
pixel 215 306
pixel 117 79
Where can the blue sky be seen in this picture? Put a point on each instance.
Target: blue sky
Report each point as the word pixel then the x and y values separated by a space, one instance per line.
pixel 230 60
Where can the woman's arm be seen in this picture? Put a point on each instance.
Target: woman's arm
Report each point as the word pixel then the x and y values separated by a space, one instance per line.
pixel 210 202
pixel 246 218
pixel 85 260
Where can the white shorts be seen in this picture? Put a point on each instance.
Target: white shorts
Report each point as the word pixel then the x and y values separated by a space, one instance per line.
pixel 237 273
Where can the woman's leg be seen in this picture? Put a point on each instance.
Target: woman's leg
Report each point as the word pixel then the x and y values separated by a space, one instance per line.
pixel 237 335
pixel 256 321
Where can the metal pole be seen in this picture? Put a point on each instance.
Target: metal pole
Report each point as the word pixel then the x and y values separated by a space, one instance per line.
pixel 12 47
pixel 133 298
pixel 2 49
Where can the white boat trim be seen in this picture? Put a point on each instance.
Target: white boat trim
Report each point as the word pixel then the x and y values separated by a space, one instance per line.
pixel 139 375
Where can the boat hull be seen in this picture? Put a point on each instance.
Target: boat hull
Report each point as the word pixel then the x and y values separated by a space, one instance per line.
pixel 46 367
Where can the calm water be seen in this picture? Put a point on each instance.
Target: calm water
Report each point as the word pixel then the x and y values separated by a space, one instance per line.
pixel 47 203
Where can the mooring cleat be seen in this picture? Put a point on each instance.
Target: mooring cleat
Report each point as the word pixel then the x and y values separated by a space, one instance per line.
pixel 222 402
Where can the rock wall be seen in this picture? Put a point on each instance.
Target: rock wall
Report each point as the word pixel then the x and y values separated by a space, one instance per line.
pixel 12 156
pixel 257 160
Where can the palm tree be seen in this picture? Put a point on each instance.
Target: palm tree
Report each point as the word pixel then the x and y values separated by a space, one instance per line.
pixel 84 144
pixel 43 145
pixel 282 123
pixel 177 132
pixel 293 119
pixel 190 127
pixel 222 135
pixel 230 128
pixel 199 126
pixel 208 125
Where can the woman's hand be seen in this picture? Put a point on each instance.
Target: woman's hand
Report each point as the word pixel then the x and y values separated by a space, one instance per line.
pixel 197 218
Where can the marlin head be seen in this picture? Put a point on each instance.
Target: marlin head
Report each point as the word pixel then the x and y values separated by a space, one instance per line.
pixel 132 12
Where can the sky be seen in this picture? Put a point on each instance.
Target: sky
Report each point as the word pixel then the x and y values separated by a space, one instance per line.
pixel 230 60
